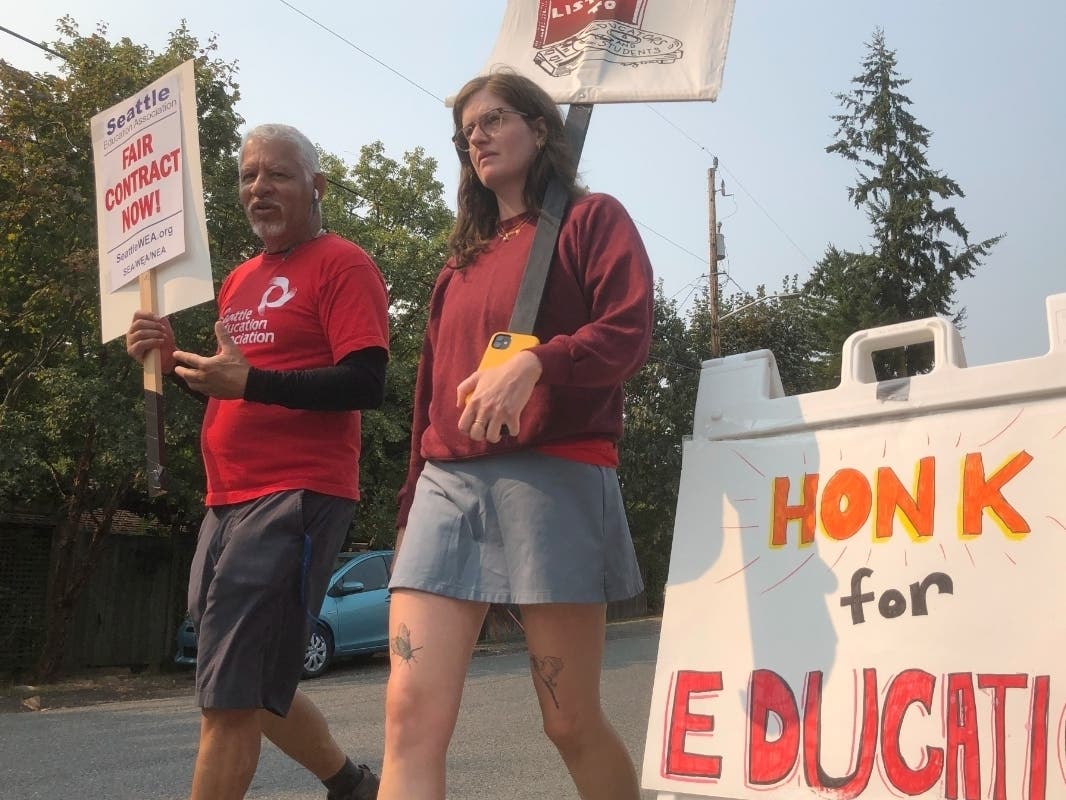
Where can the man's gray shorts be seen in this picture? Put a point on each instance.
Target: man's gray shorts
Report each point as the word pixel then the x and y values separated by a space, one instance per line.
pixel 518 528
pixel 256 584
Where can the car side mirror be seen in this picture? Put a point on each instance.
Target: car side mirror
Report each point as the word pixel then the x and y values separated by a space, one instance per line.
pixel 355 587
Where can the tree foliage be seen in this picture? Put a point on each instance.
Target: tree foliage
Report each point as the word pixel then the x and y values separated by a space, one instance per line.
pixel 780 322
pixel 68 400
pixel 71 408
pixel 396 211
pixel 659 402
pixel 661 399
pixel 920 249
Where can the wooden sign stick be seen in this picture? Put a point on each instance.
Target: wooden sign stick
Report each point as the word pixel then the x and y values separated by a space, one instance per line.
pixel 154 438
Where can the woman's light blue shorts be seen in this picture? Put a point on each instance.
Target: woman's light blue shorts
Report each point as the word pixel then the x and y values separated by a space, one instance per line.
pixel 518 528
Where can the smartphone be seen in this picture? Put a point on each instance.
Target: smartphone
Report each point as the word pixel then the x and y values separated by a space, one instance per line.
pixel 504 345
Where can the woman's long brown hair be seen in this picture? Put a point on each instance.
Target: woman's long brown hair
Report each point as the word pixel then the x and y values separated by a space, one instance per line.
pixel 478 214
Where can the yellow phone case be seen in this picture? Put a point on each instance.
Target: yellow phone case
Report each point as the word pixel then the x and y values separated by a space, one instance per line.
pixel 504 345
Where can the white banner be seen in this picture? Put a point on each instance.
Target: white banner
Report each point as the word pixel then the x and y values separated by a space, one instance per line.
pixel 149 201
pixel 617 51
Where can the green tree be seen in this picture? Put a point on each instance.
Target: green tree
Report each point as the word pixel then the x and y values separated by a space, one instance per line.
pixel 659 403
pixel 661 400
pixel 71 407
pixel 396 211
pixel 919 250
pixel 781 322
pixel 72 449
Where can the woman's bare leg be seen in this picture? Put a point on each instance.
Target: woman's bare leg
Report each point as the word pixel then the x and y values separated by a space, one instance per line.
pixel 431 639
pixel 566 643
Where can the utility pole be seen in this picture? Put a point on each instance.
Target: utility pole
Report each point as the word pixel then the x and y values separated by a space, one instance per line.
pixel 712 224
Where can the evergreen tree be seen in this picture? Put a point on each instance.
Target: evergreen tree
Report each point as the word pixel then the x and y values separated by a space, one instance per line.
pixel 919 250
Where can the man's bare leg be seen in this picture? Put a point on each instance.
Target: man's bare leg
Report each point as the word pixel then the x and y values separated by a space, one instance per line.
pixel 303 735
pixel 228 754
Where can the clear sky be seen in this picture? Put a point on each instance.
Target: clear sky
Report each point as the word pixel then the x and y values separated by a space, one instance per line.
pixel 986 80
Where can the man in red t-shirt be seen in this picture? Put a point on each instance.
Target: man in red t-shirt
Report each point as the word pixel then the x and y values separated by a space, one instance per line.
pixel 302 347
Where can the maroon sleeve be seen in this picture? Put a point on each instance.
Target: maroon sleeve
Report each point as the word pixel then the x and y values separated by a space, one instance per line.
pixel 423 396
pixel 602 240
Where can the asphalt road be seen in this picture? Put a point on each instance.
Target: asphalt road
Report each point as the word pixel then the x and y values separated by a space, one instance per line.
pixel 144 749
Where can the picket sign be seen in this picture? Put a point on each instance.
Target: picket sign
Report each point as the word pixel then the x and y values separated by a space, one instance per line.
pixel 866 586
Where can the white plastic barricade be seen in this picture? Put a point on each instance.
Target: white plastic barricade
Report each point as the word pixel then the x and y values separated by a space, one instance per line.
pixel 867 585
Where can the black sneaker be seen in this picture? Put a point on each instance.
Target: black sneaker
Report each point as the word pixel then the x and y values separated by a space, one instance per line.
pixel 366 789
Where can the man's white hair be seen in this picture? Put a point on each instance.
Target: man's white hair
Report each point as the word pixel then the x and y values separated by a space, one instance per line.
pixel 287 133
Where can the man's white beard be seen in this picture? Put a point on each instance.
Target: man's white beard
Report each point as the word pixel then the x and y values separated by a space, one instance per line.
pixel 267 230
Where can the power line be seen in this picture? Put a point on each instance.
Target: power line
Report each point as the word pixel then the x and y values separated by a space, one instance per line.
pixel 665 337
pixel 38 45
pixel 735 179
pixel 329 180
pixel 678 129
pixel 653 110
pixel 426 91
pixel 346 188
pixel 658 334
pixel 37 78
pixel 690 289
pixel 759 205
pixel 692 284
pixel 671 241
pixel 352 44
pixel 352 191
pixel 673 363
pixel 730 279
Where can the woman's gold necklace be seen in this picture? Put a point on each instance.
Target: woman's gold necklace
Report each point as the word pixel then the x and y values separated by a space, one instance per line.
pixel 513 231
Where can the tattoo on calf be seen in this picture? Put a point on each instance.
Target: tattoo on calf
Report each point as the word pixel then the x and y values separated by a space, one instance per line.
pixel 401 645
pixel 547 669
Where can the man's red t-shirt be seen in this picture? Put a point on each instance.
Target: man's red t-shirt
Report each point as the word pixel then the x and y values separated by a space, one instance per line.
pixel 307 309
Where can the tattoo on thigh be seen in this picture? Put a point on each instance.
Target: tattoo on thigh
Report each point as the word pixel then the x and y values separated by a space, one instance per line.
pixel 547 669
pixel 401 645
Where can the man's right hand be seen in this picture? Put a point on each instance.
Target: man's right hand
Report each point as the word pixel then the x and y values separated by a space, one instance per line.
pixel 150 332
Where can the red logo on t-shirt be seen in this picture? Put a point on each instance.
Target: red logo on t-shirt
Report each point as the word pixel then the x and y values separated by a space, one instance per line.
pixel 556 19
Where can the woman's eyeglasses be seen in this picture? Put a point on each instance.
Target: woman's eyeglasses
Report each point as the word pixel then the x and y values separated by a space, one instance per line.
pixel 491 122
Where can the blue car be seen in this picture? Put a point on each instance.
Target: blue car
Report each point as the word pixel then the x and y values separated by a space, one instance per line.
pixel 354 619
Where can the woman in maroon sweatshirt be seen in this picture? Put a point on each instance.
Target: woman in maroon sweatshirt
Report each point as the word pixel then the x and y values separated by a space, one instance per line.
pixel 512 493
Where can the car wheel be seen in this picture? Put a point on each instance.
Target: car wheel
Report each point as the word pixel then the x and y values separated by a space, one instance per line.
pixel 319 652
